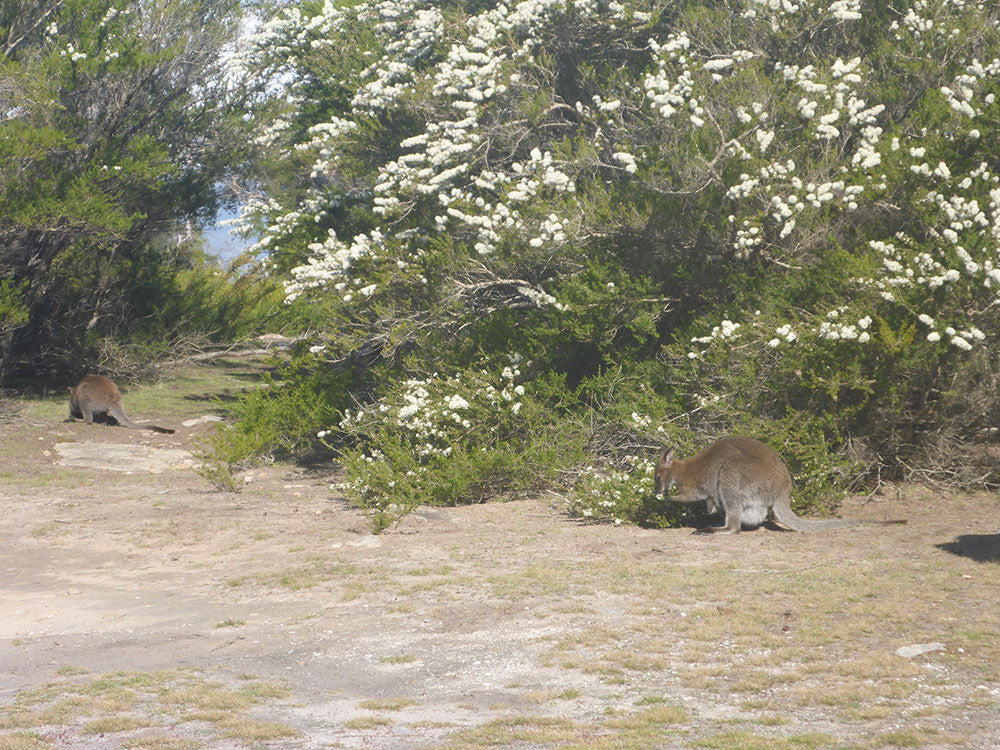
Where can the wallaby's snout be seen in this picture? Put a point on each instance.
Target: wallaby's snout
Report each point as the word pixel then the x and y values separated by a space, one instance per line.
pixel 663 476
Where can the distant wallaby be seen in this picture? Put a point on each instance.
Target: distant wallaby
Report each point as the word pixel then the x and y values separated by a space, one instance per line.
pixel 97 396
pixel 742 478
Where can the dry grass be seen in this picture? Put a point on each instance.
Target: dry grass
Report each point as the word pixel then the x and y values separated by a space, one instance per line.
pixel 23 741
pixel 125 702
pixel 367 722
pixel 387 704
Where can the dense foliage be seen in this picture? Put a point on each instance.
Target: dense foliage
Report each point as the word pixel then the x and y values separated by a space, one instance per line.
pixel 118 119
pixel 564 231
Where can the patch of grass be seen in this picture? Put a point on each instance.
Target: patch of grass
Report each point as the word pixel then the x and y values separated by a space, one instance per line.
pixel 114 724
pixel 230 623
pixel 772 720
pixel 387 704
pixel 129 701
pixel 758 681
pixel 741 740
pixel 878 666
pixel 73 707
pixel 301 577
pixel 50 529
pixel 158 742
pixel 651 700
pixel 909 738
pixel 398 659
pixel 24 741
pixel 209 696
pixel 534 580
pixel 662 714
pixel 251 730
pixel 367 722
pixel 516 730
pixel 265 691
pixel 546 696
pixel 854 695
pixel 17 718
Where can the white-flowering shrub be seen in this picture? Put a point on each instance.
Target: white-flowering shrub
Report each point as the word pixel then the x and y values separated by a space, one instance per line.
pixel 442 440
pixel 614 495
pixel 601 184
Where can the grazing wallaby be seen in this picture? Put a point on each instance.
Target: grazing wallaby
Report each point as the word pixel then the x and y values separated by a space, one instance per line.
pixel 742 478
pixel 98 396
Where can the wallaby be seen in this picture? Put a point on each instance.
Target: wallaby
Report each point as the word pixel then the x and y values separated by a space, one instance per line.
pixel 742 478
pixel 97 396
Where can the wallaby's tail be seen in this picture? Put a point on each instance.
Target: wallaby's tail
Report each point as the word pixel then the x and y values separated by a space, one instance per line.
pixel 120 417
pixel 786 517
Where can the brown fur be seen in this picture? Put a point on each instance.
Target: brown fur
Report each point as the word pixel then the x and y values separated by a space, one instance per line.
pixel 97 396
pixel 744 479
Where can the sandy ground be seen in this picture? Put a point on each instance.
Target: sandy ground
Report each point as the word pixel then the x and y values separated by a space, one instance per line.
pixel 479 621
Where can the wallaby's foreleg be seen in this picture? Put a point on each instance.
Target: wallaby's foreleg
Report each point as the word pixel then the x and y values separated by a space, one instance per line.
pixel 88 415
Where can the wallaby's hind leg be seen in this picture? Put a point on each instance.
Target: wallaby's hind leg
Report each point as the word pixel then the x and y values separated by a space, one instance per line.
pixel 732 525
pixel 729 497
pixel 732 515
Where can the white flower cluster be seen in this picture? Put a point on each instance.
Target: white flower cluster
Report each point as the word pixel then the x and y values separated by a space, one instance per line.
pixel 786 333
pixel 905 272
pixel 837 10
pixel 435 414
pixel 438 163
pixel 609 494
pixel 331 260
pixel 668 96
pixel 833 103
pixel 626 160
pixel 834 329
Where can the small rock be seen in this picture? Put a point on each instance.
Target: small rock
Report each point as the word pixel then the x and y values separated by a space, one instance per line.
pixel 368 542
pixel 125 457
pixel 908 652
pixel 200 420
pixel 431 514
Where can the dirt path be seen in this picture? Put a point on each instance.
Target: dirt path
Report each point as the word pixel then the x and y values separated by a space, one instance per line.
pixel 142 609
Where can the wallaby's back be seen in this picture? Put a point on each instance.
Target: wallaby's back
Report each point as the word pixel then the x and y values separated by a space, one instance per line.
pixel 97 395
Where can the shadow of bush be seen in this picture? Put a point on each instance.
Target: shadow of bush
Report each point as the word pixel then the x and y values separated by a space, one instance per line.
pixel 978 547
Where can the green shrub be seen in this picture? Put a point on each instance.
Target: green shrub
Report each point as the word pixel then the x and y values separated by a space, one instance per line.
pixel 280 419
pixel 694 220
pixel 471 437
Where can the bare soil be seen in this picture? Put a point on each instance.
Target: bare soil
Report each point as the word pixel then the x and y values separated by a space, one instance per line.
pixel 140 607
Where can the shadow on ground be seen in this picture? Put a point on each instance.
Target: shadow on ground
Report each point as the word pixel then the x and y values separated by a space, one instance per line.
pixel 978 547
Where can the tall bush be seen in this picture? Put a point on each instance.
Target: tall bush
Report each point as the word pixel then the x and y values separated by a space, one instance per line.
pixel 118 120
pixel 760 216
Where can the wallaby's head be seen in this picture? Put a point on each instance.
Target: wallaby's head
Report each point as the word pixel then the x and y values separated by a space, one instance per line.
pixel 664 474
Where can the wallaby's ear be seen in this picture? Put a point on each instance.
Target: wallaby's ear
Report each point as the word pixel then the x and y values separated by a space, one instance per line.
pixel 666 456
